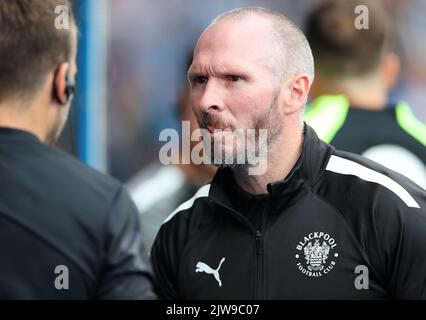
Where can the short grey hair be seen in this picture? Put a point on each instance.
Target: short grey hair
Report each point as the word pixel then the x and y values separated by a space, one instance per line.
pixel 293 54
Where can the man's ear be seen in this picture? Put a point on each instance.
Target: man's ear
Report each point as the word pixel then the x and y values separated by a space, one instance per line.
pixel 296 93
pixel 390 69
pixel 60 83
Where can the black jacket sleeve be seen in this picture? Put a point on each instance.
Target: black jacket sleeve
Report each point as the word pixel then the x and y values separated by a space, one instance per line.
pixel 402 237
pixel 126 272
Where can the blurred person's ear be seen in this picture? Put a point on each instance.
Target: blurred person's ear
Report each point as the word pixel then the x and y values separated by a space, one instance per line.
pixel 59 89
pixel 390 69
pixel 295 92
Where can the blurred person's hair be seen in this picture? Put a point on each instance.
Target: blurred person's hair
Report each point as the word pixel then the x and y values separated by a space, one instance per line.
pixel 31 45
pixel 339 48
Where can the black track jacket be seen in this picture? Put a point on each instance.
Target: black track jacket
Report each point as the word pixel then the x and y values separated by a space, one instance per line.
pixel 339 226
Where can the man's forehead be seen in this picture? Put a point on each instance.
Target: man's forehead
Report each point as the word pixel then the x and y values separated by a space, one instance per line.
pixel 228 42
pixel 236 31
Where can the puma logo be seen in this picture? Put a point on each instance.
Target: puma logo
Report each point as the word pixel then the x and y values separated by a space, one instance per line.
pixel 202 267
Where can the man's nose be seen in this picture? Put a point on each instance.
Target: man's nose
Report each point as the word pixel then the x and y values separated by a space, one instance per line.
pixel 211 98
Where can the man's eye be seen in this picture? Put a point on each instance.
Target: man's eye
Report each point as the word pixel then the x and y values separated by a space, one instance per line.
pixel 234 78
pixel 200 79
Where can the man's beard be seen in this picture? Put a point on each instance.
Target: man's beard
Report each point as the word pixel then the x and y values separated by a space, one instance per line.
pixel 253 146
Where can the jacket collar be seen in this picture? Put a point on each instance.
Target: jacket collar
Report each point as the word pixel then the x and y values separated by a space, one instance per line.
pixel 13 133
pixel 307 171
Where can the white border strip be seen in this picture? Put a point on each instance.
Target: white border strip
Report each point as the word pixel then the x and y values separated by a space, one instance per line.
pixel 202 192
pixel 348 167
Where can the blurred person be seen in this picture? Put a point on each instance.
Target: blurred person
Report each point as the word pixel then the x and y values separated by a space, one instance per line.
pixel 355 70
pixel 408 18
pixel 66 231
pixel 158 189
pixel 304 228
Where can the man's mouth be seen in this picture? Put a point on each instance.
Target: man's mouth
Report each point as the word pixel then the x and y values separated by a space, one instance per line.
pixel 212 129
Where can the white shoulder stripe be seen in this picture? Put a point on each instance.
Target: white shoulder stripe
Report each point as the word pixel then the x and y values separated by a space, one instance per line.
pixel 202 192
pixel 348 167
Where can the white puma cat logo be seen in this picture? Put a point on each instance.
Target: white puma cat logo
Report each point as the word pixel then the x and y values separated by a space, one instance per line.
pixel 202 267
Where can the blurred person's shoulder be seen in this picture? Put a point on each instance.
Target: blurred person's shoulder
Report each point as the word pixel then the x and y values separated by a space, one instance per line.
pixel 61 176
pixel 72 169
pixel 55 182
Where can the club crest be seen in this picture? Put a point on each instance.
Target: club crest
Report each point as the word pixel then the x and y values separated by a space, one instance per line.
pixel 316 254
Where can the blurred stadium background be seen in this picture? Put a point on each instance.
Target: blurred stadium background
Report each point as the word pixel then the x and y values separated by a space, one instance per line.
pixel 132 58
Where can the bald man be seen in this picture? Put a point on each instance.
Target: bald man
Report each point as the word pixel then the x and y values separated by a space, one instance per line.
pixel 317 223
